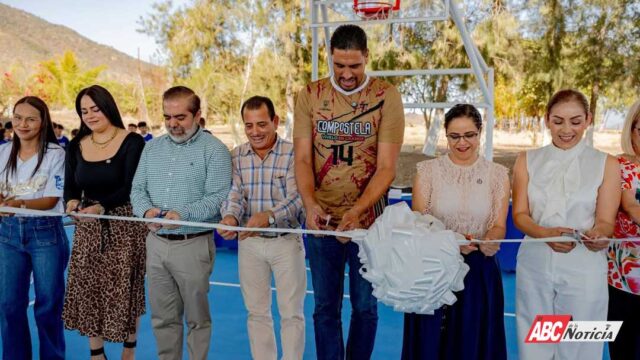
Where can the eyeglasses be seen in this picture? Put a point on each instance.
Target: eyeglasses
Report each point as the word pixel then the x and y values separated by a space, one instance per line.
pixel 468 136
pixel 29 120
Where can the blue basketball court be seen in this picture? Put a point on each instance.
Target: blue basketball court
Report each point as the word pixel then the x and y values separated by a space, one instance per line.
pixel 230 340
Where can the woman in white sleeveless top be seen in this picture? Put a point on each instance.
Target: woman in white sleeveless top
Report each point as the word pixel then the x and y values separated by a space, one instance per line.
pixel 559 188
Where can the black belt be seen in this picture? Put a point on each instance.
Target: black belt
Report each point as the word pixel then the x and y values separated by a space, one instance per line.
pixel 273 235
pixel 175 237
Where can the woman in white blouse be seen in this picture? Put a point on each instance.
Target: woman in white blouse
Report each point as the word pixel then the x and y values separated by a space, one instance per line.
pixel 32 177
pixel 559 188
pixel 470 195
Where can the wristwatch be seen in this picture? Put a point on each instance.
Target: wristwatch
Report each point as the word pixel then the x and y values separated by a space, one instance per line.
pixel 272 220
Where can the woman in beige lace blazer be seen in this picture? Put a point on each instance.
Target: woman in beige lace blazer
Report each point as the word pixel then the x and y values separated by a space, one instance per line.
pixel 470 195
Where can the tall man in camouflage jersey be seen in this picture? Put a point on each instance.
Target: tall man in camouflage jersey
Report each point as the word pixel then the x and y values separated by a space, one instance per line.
pixel 348 131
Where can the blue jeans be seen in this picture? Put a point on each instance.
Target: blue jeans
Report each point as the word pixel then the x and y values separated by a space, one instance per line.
pixel 40 246
pixel 327 259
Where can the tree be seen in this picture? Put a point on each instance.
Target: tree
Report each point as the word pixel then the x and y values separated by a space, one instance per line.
pixel 430 47
pixel 13 85
pixel 59 80
pixel 601 44
pixel 203 44
pixel 292 41
pixel 501 45
pixel 229 50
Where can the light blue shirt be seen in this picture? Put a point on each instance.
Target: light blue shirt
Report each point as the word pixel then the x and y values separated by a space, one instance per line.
pixel 192 178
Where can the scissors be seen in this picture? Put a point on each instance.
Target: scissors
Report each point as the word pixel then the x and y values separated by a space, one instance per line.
pixel 577 235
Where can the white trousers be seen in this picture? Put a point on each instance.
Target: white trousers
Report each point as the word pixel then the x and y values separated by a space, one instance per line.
pixel 551 283
pixel 258 258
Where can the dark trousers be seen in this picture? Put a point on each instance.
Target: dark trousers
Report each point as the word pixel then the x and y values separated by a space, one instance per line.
pixel 625 307
pixel 327 259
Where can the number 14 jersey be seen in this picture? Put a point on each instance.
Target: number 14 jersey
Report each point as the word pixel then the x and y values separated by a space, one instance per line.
pixel 345 128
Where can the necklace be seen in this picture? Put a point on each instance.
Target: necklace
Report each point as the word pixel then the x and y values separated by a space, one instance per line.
pixel 103 145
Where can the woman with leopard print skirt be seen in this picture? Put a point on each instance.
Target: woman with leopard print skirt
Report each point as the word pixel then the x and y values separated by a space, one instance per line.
pixel 105 288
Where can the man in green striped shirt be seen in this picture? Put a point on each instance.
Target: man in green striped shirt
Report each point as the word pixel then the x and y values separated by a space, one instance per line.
pixel 183 175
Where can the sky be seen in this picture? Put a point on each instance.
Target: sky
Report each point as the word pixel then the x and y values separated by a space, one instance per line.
pixel 111 23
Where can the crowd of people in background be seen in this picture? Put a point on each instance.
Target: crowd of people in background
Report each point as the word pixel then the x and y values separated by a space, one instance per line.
pixel 142 129
pixel 348 131
pixel 6 132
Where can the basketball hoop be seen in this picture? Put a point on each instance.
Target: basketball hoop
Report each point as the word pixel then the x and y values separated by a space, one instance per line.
pixel 374 10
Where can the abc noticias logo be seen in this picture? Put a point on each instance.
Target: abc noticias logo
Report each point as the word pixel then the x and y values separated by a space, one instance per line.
pixel 560 328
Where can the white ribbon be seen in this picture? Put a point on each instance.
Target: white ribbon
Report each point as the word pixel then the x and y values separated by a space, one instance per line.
pixel 31 212
pixel 358 233
pixel 411 261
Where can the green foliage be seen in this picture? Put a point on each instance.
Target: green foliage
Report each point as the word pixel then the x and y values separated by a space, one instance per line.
pixel 229 50
pixel 602 42
pixel 59 80
pixel 126 95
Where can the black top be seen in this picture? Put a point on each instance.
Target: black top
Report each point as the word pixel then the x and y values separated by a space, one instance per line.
pixel 108 181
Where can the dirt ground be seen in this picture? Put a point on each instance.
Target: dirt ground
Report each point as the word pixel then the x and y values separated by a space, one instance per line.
pixel 505 155
pixel 406 168
pixel 506 144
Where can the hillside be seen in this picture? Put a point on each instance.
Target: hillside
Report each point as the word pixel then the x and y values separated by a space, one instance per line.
pixel 28 39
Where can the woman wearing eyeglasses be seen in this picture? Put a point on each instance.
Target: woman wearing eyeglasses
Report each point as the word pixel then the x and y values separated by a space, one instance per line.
pixel 470 195
pixel 32 247
pixel 624 257
pixel 560 188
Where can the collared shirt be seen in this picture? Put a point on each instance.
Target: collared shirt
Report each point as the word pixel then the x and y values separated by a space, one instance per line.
pixel 48 181
pixel 264 184
pixel 192 178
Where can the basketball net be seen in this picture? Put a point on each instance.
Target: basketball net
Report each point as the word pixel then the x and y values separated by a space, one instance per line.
pixel 374 10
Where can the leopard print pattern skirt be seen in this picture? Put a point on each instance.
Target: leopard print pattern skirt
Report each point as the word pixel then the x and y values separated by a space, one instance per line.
pixel 105 286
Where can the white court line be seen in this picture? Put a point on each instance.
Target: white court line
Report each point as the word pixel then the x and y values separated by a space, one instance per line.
pixel 346 274
pixel 218 283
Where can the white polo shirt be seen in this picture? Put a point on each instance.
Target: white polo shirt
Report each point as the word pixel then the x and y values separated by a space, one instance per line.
pixel 48 181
